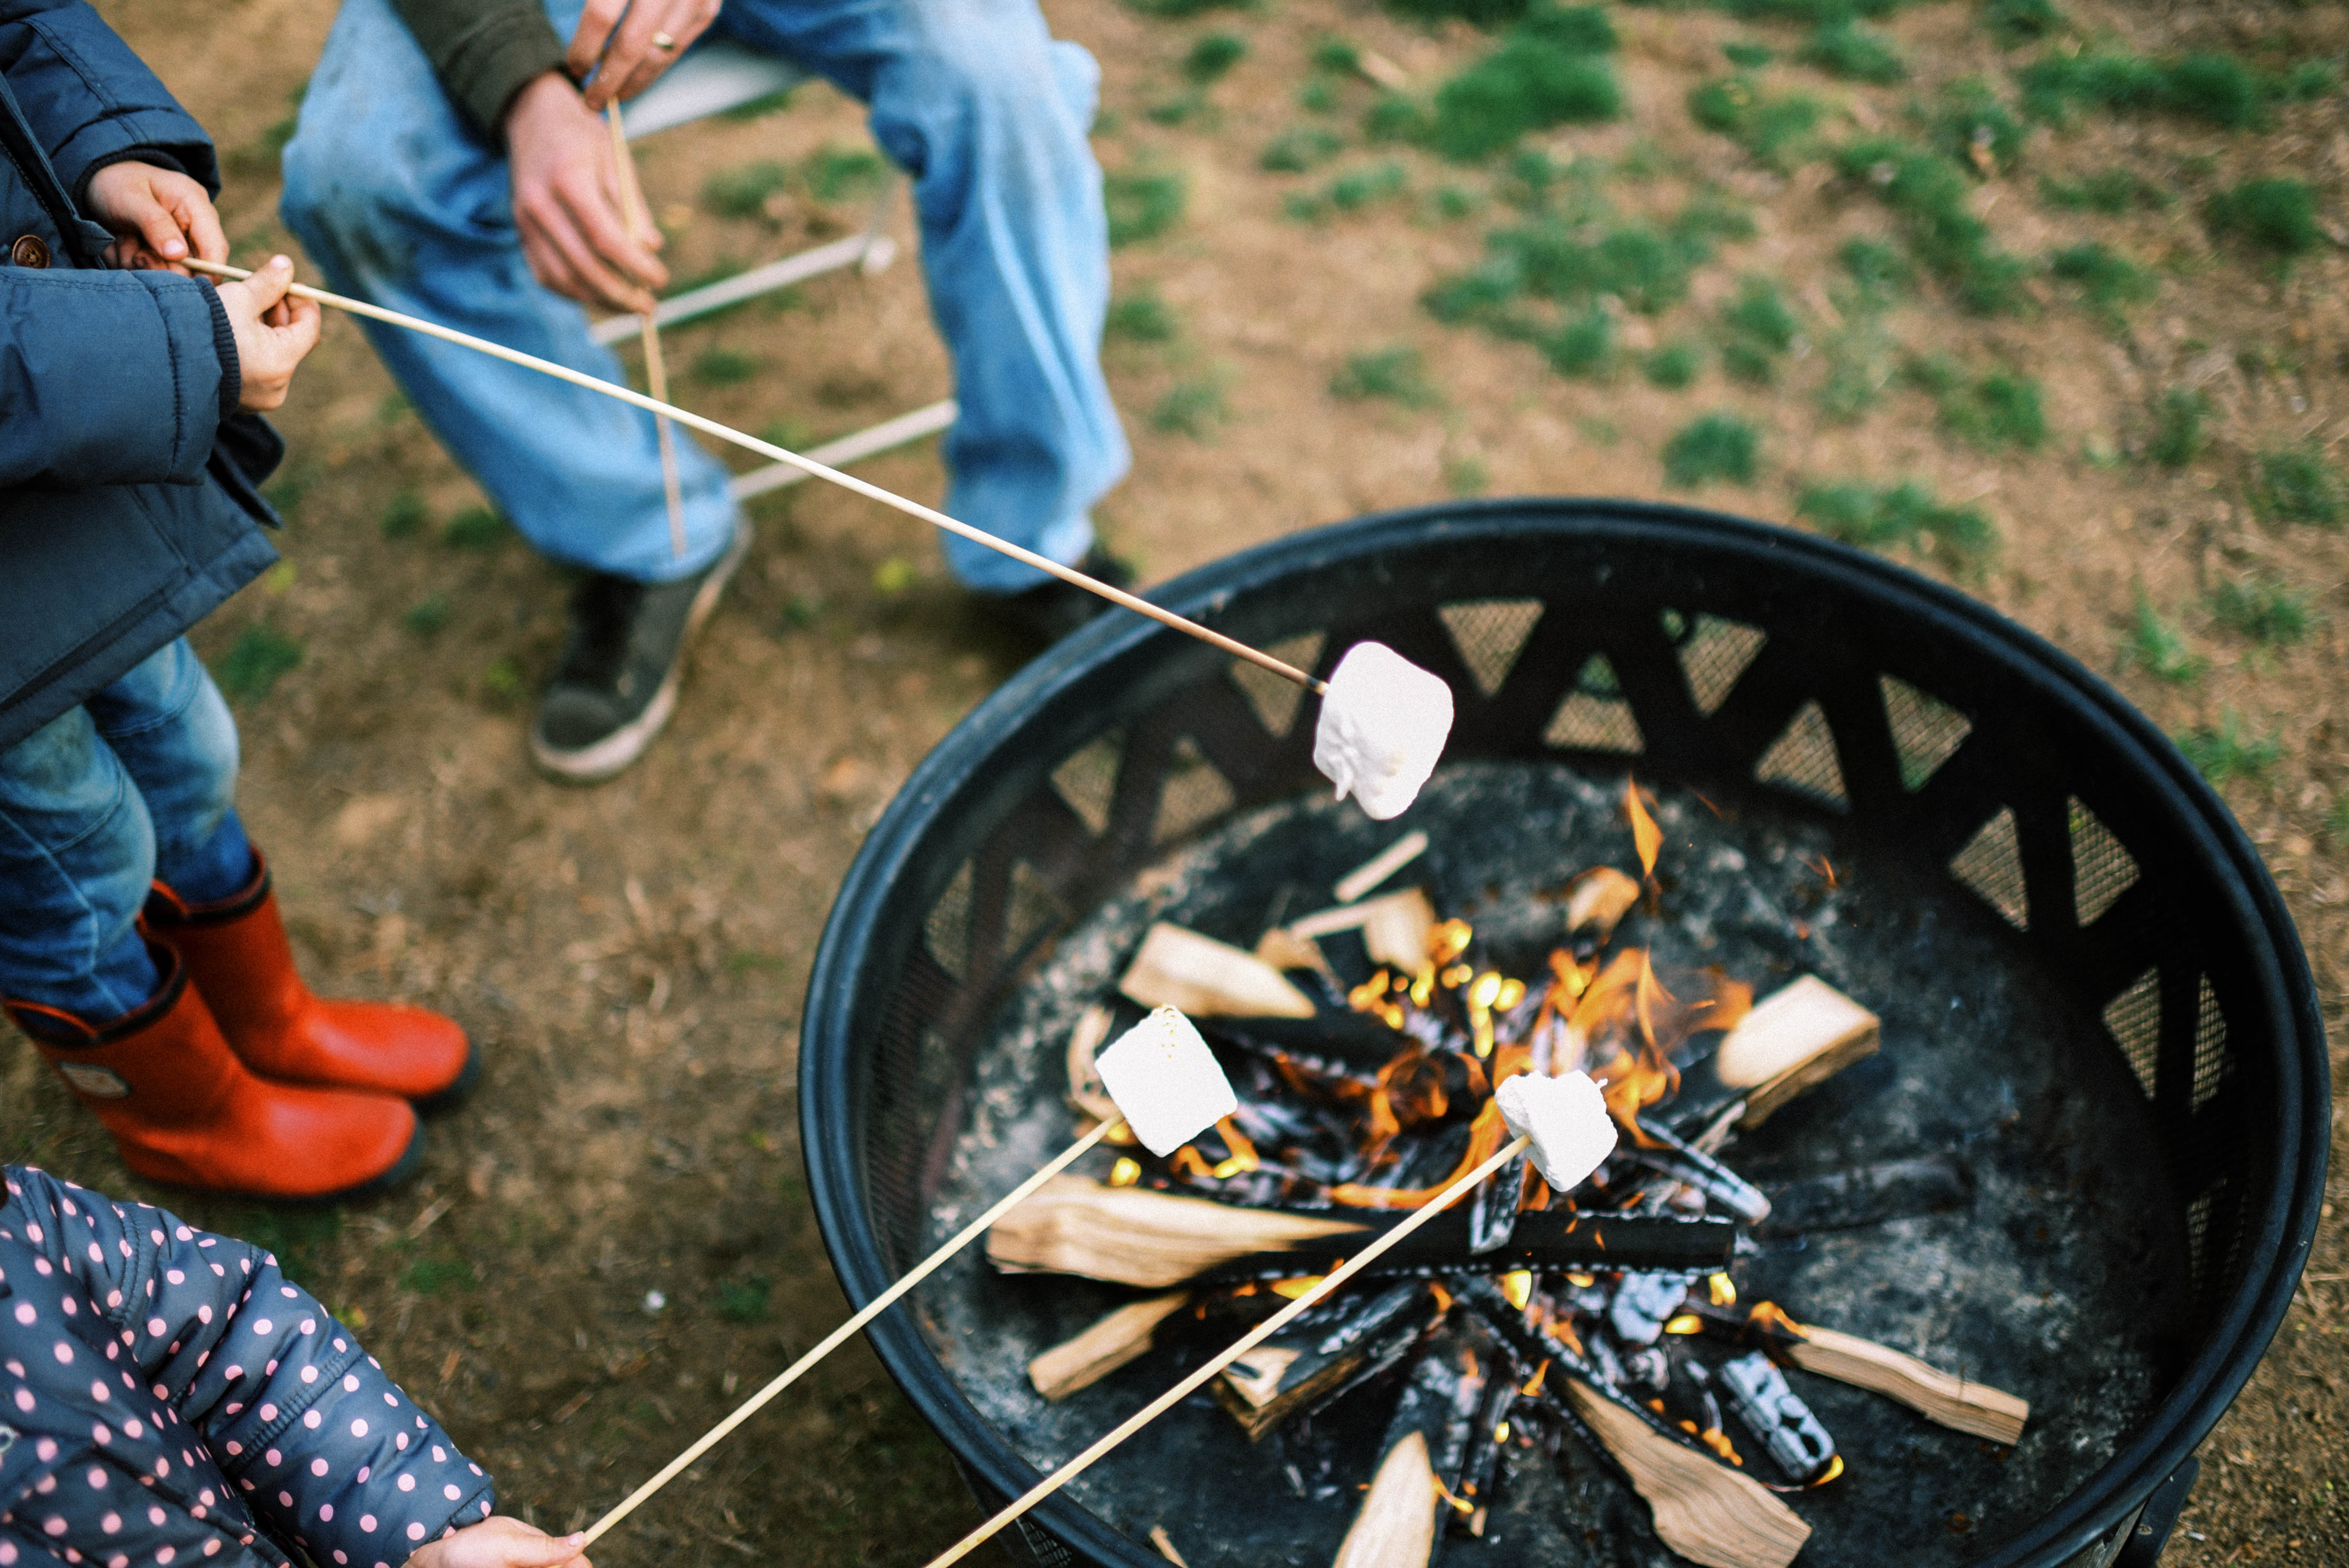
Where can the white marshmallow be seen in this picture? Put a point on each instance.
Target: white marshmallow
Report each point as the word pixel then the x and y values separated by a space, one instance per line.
pixel 1382 728
pixel 1166 1081
pixel 1566 1119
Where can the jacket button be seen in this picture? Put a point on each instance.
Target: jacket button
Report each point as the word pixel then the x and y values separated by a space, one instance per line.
pixel 29 250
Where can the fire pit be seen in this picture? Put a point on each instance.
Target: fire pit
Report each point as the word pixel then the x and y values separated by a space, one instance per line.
pixel 2084 1167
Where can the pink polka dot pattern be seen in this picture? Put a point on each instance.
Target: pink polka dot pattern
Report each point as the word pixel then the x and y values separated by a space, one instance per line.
pixel 151 1448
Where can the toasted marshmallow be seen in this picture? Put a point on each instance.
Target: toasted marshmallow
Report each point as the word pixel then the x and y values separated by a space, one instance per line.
pixel 1566 1117
pixel 1382 728
pixel 1166 1081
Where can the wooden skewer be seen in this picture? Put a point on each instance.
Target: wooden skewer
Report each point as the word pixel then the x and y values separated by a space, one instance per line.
pixel 640 223
pixel 1216 1364
pixel 840 1336
pixel 808 466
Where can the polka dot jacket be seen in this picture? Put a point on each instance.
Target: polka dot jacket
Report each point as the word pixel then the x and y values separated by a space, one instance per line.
pixel 166 1396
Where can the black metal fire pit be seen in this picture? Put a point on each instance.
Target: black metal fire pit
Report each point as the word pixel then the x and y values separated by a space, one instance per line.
pixel 2088 981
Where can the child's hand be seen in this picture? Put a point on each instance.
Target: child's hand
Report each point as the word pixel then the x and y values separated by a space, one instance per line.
pixel 501 1542
pixel 156 216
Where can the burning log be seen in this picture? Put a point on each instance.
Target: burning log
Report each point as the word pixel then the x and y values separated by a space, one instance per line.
pixel 1118 1338
pixel 1324 1355
pixel 1396 1528
pixel 1793 1039
pixel 1430 1431
pixel 1380 866
pixel 1774 1413
pixel 1130 1235
pixel 1705 1513
pixel 1939 1396
pixel 1869 1195
pixel 1597 900
pixel 1395 927
pixel 1208 979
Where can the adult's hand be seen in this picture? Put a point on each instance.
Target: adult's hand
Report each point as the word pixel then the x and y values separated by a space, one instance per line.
pixel 274 332
pixel 500 1543
pixel 566 200
pixel 157 217
pixel 615 40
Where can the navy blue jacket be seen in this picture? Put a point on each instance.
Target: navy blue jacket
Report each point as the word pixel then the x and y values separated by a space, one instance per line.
pixel 128 508
pixel 167 1398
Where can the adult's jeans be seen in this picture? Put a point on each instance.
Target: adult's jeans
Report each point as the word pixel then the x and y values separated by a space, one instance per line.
pixel 404 204
pixel 135 784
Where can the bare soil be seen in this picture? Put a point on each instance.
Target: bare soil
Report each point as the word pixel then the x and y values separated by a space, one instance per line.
pixel 613 1237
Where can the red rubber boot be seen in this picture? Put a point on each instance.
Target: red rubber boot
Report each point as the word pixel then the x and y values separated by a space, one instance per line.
pixel 238 958
pixel 184 1111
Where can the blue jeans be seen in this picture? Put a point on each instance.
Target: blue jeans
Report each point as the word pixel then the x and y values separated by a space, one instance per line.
pixel 133 785
pixel 402 203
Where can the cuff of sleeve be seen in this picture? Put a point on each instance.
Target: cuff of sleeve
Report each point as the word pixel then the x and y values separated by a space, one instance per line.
pixel 231 391
pixel 493 64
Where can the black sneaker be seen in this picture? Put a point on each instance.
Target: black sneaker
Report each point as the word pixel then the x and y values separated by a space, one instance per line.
pixel 1053 609
pixel 617 683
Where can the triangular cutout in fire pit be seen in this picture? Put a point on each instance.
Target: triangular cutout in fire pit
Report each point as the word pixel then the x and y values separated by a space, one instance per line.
pixel 1194 795
pixel 1714 654
pixel 1991 864
pixel 2135 1018
pixel 1594 716
pixel 1926 731
pixel 1490 633
pixel 1275 697
pixel 2102 869
pixel 1087 777
pixel 1803 758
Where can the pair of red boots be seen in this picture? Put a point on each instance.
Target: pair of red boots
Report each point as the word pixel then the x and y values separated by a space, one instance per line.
pixel 234 1077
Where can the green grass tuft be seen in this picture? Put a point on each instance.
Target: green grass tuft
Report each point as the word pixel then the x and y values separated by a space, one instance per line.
pixel 2265 610
pixel 2158 647
pixel 475 528
pixel 1882 273
pixel 742 192
pixel 2109 281
pixel 1998 410
pixel 405 516
pixel 1717 448
pixel 1466 475
pixel 427 614
pixel 1879 517
pixel 2177 437
pixel 1747 55
pixel 744 1300
pixel 1674 367
pixel 842 173
pixel 1583 345
pixel 2273 217
pixel 724 366
pixel 1860 357
pixel 261 657
pixel 1212 56
pixel 1529 84
pixel 1336 55
pixel 2111 191
pixel 2014 22
pixel 1929 195
pixel 2296 485
pixel 1140 206
pixel 1856 54
pixel 1758 327
pixel 1141 317
pixel 2227 752
pixel 1974 130
pixel 1191 408
pixel 1776 130
pixel 1297 150
pixel 1397 374
pixel 1176 10
pixel 2214 89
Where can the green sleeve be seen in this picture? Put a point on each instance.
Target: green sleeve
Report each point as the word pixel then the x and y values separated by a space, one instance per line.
pixel 483 50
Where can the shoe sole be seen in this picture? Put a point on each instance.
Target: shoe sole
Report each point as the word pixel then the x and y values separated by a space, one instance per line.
pixel 611 756
pixel 403 1167
pixel 466 1077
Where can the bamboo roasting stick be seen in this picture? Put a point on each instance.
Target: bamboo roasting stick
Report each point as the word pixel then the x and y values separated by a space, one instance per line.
pixel 840 1336
pixel 1216 1364
pixel 640 220
pixel 808 466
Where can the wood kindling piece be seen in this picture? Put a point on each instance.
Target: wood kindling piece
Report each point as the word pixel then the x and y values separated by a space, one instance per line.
pixel 808 466
pixel 1179 968
pixel 640 223
pixel 1939 1396
pixel 1213 1365
pixel 1396 1527
pixel 1153 1241
pixel 1395 926
pixel 840 1336
pixel 1101 1350
pixel 1704 1511
pixel 1799 1035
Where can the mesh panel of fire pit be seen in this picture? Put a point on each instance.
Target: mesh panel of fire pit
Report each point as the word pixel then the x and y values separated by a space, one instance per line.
pixel 2091 996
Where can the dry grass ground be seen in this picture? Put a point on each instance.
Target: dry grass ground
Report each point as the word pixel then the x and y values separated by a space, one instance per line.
pixel 633 957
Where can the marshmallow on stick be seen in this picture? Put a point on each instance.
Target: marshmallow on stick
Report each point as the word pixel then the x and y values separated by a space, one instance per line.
pixel 1167 1082
pixel 1382 728
pixel 1566 1119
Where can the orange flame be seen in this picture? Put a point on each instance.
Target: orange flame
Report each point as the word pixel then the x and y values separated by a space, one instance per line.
pixel 1293 1288
pixel 1188 1161
pixel 1125 1173
pixel 1767 1314
pixel 1485 1136
pixel 1646 837
pixel 1834 1468
pixel 1532 1390
pixel 1243 1152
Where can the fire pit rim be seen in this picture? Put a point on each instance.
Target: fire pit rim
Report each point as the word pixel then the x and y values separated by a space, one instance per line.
pixel 1121 647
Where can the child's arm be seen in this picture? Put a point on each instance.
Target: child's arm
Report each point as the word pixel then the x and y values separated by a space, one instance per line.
pixel 318 1442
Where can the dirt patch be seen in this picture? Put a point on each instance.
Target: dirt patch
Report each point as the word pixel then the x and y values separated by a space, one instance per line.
pixel 632 958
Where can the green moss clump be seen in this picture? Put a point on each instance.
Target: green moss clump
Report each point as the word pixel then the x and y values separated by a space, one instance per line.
pixel 1674 367
pixel 1718 447
pixel 1879 517
pixel 2296 485
pixel 2274 217
pixel 1212 56
pixel 1855 54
